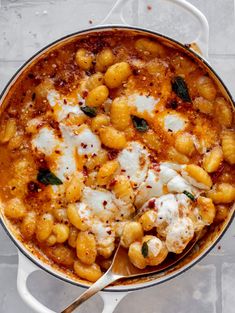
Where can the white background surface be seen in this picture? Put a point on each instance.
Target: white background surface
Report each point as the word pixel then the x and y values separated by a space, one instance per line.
pixel 25 27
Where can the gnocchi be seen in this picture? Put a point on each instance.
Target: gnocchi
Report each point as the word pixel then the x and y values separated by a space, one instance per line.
pixel 228 146
pixel 84 59
pixel 116 74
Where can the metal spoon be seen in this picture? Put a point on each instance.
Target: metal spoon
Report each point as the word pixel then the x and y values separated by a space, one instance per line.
pixel 121 267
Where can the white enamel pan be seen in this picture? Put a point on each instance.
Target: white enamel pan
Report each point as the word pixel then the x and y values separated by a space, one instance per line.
pixel 29 263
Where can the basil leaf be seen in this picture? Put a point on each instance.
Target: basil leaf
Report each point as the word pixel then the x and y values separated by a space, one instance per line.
pixel 189 195
pixel 180 88
pixel 46 177
pixel 139 123
pixel 145 249
pixel 89 111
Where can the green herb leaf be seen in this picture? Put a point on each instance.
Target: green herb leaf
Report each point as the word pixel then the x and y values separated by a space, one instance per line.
pixel 139 123
pixel 189 195
pixel 89 111
pixel 46 177
pixel 180 88
pixel 145 249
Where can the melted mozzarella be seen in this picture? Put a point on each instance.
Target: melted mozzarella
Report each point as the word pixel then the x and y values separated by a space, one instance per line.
pixel 124 209
pixel 98 200
pixel 143 103
pixel 166 174
pixel 103 233
pixel 154 246
pixel 174 122
pixel 87 142
pixel 134 162
pixel 179 233
pixel 53 97
pixel 183 201
pixel 66 109
pixel 167 209
pixel 151 187
pixel 178 184
pixel 66 163
pixel 173 166
pixel 83 210
pixel 61 108
pixel 45 141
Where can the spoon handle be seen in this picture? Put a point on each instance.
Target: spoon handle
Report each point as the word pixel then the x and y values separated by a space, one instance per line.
pixel 104 281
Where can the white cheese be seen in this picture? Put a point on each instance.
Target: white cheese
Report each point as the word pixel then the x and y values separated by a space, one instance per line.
pixel 134 162
pixel 151 187
pixel 154 246
pixel 167 209
pixel 66 109
pixel 184 201
pixel 63 106
pixel 173 166
pixel 179 233
pixel 174 123
pixel 124 209
pixel 99 201
pixel 87 142
pixel 143 103
pixel 46 141
pixel 103 233
pixel 166 174
pixel 177 185
pixel 83 210
pixel 53 97
pixel 66 162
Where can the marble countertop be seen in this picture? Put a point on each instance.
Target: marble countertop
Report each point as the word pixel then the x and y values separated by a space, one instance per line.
pixel 28 25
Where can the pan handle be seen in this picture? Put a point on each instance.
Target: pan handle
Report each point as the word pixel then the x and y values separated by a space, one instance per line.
pixel 111 300
pixel 115 16
pixel 25 268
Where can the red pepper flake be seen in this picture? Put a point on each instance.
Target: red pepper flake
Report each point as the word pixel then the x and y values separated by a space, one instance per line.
pixel 156 167
pixel 80 103
pixel 65 101
pixel 151 204
pixel 149 186
pixel 112 183
pixel 109 232
pixel 90 21
pixel 123 170
pixel 153 159
pixel 135 71
pixel 85 94
pixel 32 186
pixel 83 145
pixel 112 154
pixel 149 7
pixel 219 247
pixel 85 171
pixel 105 202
